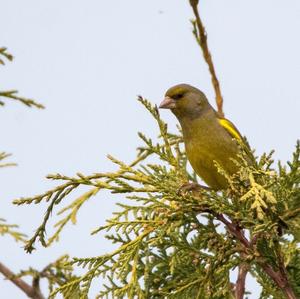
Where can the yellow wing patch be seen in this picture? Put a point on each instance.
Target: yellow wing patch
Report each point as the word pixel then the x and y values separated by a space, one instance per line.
pixel 230 128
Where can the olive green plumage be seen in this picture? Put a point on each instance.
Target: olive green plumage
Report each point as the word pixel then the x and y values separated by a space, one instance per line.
pixel 208 138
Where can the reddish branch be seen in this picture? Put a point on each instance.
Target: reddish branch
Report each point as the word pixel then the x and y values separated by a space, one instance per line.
pixel 241 281
pixel 31 291
pixel 237 232
pixel 202 40
pixel 279 277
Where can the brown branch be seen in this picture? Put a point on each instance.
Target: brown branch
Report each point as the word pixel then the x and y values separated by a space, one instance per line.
pixel 31 291
pixel 279 277
pixel 283 272
pixel 248 247
pixel 201 37
pixel 241 280
pixel 234 230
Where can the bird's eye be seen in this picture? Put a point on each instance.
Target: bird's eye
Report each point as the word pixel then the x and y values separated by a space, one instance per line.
pixel 177 96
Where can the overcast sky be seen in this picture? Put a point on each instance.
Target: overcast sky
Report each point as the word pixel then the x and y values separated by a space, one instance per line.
pixel 86 61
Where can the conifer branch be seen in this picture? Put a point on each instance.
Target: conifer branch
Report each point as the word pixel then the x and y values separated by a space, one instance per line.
pixel 161 240
pixel 11 229
pixel 5 54
pixel 12 95
pixel 201 37
pixel 279 277
pixel 3 156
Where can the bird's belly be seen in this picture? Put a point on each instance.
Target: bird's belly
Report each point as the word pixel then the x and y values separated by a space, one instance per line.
pixel 204 157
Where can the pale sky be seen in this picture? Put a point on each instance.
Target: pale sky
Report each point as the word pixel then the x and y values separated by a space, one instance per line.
pixel 86 61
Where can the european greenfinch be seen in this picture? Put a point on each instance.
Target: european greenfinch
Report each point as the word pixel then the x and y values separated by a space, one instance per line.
pixel 209 139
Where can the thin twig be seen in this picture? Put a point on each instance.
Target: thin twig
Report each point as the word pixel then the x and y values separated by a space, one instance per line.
pixel 201 37
pixel 31 291
pixel 12 94
pixel 5 54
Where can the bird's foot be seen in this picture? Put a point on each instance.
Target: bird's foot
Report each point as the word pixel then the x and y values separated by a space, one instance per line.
pixel 191 187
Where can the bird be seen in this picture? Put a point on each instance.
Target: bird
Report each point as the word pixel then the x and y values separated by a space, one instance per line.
pixel 209 139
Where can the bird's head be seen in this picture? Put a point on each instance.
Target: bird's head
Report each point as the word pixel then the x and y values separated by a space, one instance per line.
pixel 185 101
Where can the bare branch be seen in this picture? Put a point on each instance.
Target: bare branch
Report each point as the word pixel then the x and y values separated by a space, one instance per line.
pixel 31 291
pixel 201 36
pixel 241 280
pixel 280 279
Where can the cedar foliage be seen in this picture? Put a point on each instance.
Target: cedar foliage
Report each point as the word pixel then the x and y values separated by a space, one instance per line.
pixel 179 244
pixel 171 242
pixel 5 228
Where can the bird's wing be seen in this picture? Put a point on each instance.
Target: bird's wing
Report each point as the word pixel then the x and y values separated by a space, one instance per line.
pixel 231 129
pixel 234 133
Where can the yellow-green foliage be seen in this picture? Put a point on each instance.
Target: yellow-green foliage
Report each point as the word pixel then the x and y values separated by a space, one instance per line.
pixel 165 249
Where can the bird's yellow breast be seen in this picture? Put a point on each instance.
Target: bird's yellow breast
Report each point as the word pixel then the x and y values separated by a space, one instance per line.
pixel 207 143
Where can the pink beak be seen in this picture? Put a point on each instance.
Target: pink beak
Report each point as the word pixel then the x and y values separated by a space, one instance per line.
pixel 167 103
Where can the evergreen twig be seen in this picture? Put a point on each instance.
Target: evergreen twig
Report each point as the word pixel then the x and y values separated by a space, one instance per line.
pixel 5 54
pixel 12 95
pixel 3 156
pixel 11 229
